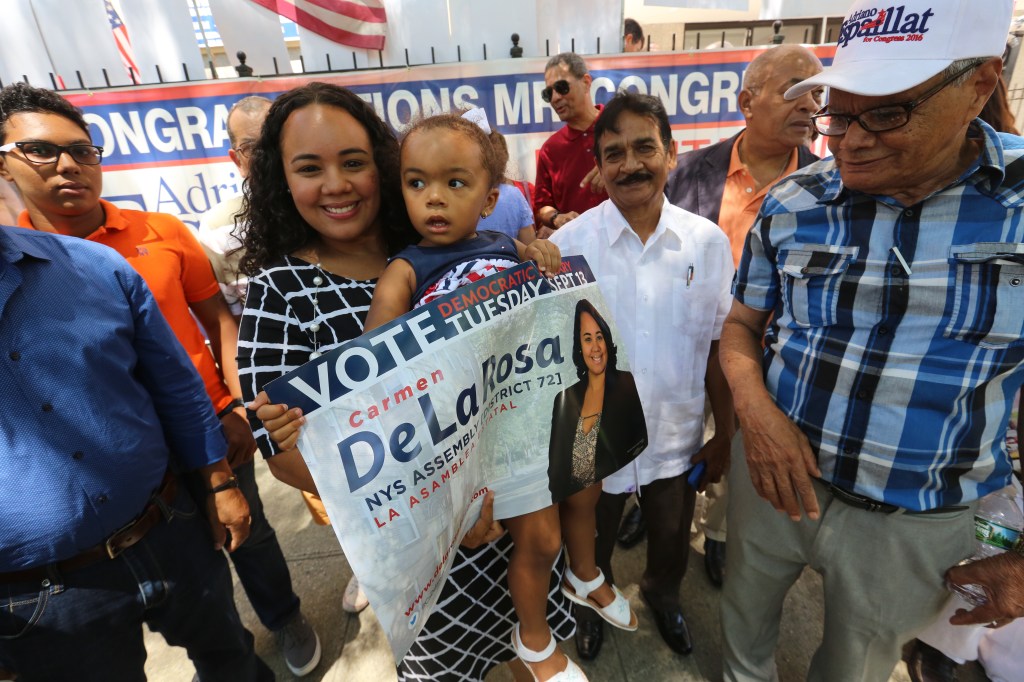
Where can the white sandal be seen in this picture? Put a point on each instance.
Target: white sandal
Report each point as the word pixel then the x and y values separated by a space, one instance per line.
pixel 572 672
pixel 618 613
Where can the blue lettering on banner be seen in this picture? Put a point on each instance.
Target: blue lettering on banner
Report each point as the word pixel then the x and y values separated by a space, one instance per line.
pixel 194 128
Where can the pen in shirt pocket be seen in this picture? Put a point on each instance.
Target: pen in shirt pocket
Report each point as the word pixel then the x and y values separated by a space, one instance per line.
pixel 689 275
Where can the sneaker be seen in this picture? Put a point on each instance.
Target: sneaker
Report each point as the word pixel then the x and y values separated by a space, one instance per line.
pixel 355 599
pixel 300 645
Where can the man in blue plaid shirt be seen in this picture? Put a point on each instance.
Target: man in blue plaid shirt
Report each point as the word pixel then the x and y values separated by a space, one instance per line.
pixel 891 282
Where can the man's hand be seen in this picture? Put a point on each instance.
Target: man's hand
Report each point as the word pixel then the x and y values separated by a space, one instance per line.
pixel 228 513
pixel 241 444
pixel 546 254
pixel 780 460
pixel 486 529
pixel 716 453
pixel 281 423
pixel 562 218
pixel 1002 578
pixel 593 181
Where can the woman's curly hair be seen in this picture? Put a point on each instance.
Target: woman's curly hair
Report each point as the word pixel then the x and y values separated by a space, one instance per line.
pixel 269 225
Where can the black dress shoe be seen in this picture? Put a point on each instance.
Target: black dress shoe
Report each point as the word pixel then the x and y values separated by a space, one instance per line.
pixel 672 626
pixel 928 664
pixel 589 633
pixel 714 560
pixel 632 528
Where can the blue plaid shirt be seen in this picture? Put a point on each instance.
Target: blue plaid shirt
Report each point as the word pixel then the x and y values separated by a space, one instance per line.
pixel 902 382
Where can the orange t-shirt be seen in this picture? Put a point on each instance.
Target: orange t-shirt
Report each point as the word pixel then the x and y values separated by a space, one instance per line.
pixel 168 256
pixel 741 200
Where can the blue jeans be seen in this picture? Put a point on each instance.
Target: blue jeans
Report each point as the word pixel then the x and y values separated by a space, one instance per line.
pixel 259 562
pixel 87 624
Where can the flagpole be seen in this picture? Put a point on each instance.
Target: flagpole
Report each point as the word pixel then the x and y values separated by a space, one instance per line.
pixel 206 42
pixel 46 48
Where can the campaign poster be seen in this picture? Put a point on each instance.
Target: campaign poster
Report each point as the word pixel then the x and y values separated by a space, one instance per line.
pixel 408 426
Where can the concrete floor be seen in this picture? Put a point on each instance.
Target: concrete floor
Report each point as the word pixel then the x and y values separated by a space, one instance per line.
pixel 354 647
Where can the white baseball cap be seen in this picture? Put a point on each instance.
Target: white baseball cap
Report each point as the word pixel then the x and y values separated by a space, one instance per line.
pixel 889 47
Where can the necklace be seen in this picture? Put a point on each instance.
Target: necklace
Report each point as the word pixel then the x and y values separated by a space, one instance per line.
pixel 318 280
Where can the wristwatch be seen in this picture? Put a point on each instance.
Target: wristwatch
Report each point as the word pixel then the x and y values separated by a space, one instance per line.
pixel 237 402
pixel 232 482
pixel 553 216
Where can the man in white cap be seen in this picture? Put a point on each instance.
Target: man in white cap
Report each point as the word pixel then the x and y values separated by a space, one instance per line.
pixel 887 286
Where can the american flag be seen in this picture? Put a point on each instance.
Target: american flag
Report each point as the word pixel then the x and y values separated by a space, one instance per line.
pixel 124 45
pixel 356 23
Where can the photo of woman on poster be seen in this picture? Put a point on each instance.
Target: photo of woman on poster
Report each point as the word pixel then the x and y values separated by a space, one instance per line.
pixel 597 424
pixel 597 427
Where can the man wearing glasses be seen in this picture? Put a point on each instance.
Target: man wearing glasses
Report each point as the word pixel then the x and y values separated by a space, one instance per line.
pixel 244 122
pixel 890 282
pixel 565 165
pixel 48 154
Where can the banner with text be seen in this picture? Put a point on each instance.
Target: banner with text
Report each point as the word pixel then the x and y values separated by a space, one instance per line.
pixel 165 147
pixel 409 425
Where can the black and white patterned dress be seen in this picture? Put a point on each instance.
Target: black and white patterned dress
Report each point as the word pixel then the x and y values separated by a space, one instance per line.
pixel 469 630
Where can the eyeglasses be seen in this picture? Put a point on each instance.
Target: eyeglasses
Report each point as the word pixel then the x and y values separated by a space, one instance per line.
pixel 245 149
pixel 879 119
pixel 561 87
pixel 46 152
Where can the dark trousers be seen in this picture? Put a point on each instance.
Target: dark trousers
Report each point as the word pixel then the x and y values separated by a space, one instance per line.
pixel 259 562
pixel 87 624
pixel 667 506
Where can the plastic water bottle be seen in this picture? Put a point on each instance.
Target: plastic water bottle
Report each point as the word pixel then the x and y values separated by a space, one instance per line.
pixel 997 525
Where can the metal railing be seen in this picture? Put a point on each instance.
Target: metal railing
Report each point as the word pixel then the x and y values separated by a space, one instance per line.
pixel 693 36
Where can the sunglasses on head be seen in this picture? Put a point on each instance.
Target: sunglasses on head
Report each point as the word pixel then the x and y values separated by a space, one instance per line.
pixel 561 87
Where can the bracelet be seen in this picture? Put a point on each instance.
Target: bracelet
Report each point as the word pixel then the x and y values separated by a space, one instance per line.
pixel 553 216
pixel 237 402
pixel 232 482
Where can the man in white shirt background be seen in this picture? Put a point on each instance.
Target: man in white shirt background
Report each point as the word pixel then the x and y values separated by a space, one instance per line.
pixel 245 120
pixel 666 275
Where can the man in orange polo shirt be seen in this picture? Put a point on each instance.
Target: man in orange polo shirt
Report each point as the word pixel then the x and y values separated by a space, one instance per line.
pixel 48 154
pixel 727 182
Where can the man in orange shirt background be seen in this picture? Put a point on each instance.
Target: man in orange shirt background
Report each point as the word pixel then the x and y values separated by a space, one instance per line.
pixel 727 182
pixel 48 154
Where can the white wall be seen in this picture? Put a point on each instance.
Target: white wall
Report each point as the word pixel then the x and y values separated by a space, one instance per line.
pixel 647 12
pixel 161 33
pixel 22 50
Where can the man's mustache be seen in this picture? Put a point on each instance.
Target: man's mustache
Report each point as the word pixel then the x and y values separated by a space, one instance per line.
pixel 633 178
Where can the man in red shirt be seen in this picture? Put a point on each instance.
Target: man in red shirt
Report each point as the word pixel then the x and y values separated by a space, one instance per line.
pixel 567 158
pixel 48 154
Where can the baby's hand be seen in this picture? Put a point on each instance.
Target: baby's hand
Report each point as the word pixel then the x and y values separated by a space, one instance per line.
pixel 486 530
pixel 281 423
pixel 547 256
